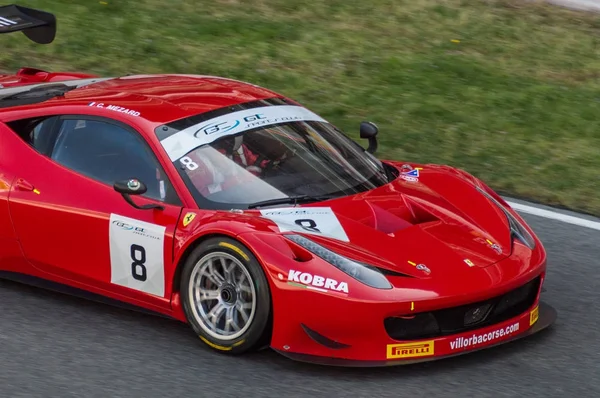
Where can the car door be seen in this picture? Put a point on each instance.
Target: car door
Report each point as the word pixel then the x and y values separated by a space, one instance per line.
pixel 72 223
pixel 10 252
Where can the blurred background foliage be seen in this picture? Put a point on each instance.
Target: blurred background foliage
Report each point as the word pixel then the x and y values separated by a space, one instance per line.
pixel 507 90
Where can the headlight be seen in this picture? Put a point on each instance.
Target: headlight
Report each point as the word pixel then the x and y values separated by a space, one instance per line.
pixel 517 230
pixel 364 273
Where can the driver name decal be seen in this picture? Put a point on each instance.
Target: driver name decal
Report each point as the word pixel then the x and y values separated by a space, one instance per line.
pixel 309 220
pixel 114 108
pixel 188 139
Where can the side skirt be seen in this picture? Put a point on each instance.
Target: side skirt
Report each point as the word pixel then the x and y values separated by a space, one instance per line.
pixel 72 291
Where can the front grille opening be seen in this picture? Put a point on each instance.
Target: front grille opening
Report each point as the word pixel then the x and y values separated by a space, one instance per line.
pixel 476 315
pixel 421 326
pixel 464 318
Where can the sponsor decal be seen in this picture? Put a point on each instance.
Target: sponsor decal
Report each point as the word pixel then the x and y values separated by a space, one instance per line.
pixel 469 262
pixel 235 249
pixel 253 118
pixel 247 122
pixel 412 175
pixel 421 267
pixel 114 108
pixel 315 282
pixel 411 350
pixel 137 254
pixel 534 315
pixel 4 22
pixel 309 220
pixel 221 347
pixel 466 342
pixel 188 139
pixel 188 218
pixel 137 230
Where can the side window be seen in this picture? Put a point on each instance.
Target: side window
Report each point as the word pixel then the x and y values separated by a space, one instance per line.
pixel 107 153
pixel 36 132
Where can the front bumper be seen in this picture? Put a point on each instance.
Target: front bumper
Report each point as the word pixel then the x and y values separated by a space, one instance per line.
pixel 540 317
pixel 349 327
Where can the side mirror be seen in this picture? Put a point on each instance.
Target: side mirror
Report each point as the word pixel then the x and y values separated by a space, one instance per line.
pixel 134 187
pixel 369 130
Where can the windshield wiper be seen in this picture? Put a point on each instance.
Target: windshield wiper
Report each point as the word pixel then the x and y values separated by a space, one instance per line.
pixel 290 199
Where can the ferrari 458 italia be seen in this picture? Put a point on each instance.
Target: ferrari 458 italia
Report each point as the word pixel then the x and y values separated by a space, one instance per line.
pixel 242 213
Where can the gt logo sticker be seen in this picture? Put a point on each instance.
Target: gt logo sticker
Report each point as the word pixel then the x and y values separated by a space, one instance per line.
pixel 412 175
pixel 177 145
pixel 411 350
pixel 534 315
pixel 310 220
pixel 137 254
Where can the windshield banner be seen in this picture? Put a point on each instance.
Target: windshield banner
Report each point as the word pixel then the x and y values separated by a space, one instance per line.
pixel 184 141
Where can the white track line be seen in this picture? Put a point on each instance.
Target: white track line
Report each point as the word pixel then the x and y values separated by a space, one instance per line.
pixel 582 222
pixel 582 5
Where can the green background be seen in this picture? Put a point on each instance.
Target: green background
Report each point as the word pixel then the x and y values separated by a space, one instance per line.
pixel 507 90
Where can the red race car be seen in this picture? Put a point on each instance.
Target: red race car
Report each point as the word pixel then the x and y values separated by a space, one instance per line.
pixel 245 215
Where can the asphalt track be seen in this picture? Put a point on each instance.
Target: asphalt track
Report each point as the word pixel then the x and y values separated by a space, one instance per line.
pixel 54 345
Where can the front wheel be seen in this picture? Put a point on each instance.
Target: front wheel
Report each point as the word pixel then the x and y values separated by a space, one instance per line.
pixel 225 295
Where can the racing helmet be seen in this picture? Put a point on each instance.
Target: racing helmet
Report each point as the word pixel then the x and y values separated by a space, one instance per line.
pixel 230 144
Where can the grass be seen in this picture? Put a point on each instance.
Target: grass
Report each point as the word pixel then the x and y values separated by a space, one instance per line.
pixel 507 90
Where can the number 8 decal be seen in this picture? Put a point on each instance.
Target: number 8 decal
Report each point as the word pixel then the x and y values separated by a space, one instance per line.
pixel 138 264
pixel 308 224
pixel 189 163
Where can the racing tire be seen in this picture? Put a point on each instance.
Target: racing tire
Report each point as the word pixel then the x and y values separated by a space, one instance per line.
pixel 225 296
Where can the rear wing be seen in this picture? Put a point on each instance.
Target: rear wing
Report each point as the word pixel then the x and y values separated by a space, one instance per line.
pixel 38 26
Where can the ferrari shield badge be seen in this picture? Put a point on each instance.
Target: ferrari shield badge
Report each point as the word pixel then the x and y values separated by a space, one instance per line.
pixel 189 217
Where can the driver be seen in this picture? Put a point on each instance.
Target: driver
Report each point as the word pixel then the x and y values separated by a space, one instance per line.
pixel 235 149
pixel 217 168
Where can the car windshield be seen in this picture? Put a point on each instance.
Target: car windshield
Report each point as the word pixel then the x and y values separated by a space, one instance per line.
pixel 306 159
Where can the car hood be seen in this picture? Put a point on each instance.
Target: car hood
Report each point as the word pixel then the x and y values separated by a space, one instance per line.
pixel 437 223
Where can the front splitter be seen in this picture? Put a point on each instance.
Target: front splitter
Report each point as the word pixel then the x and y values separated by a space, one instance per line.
pixel 547 316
